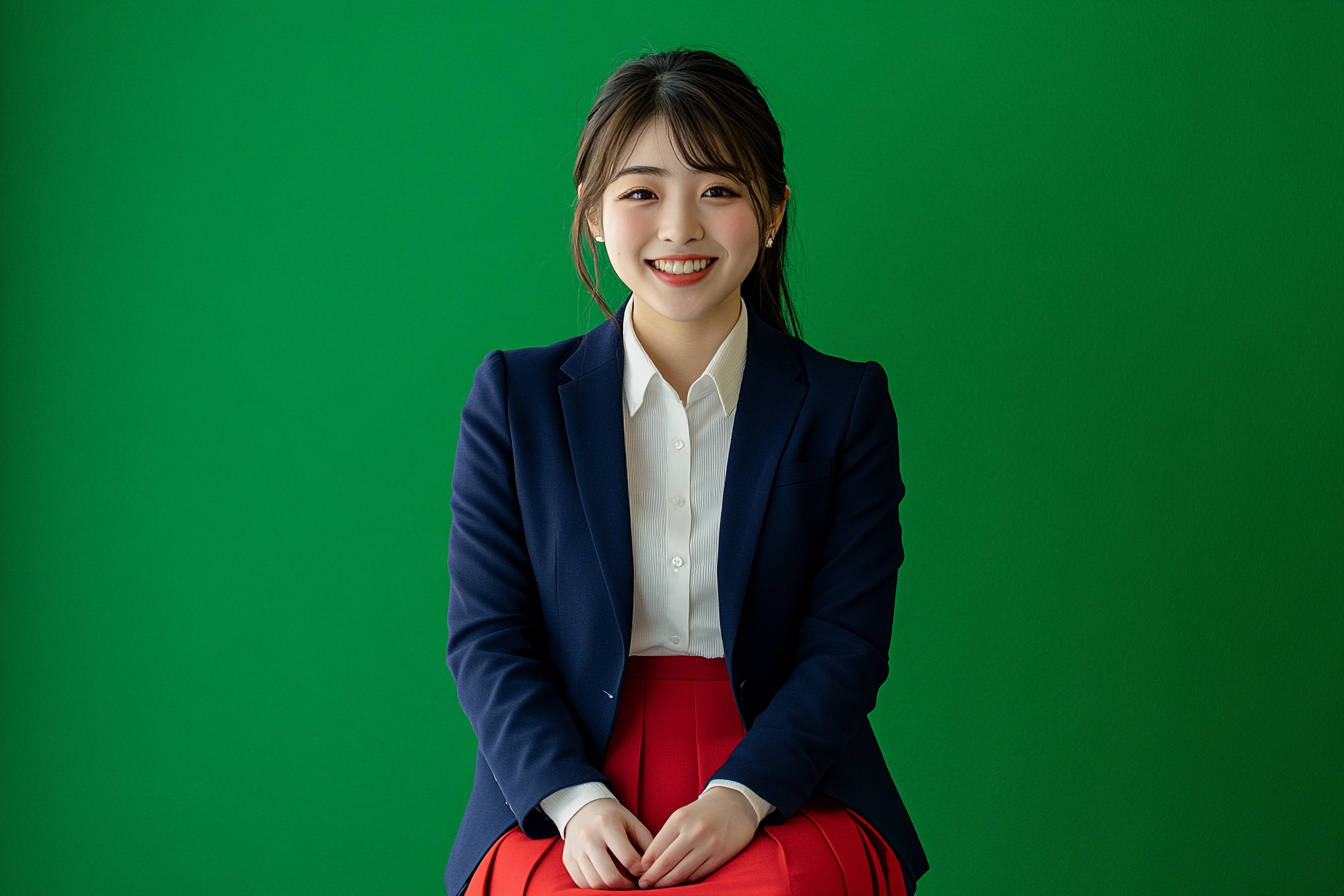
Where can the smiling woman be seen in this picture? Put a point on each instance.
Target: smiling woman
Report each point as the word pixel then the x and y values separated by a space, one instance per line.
pixel 668 227
pixel 713 128
pixel 675 542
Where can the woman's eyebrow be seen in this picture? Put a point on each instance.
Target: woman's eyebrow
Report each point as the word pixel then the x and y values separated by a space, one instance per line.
pixel 651 171
pixel 646 170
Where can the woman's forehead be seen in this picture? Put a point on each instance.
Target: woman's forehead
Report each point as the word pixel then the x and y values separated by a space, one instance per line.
pixel 655 145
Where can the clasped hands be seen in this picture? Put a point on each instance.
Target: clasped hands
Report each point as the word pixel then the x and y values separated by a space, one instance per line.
pixel 608 848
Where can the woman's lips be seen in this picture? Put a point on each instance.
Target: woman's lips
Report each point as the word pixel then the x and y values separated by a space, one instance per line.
pixel 681 279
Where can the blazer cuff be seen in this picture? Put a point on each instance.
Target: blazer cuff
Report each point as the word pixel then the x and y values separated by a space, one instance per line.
pixel 761 806
pixel 561 805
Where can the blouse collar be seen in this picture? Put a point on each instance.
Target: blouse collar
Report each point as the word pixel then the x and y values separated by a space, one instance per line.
pixel 723 373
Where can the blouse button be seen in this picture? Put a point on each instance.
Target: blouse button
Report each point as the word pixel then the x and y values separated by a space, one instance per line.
pixel 678 500
pixel 677 561
pixel 678 444
pixel 676 640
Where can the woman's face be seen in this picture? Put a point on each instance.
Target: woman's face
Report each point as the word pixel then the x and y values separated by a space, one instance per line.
pixel 658 211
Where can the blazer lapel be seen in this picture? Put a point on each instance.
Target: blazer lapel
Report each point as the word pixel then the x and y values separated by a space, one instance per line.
pixel 773 388
pixel 595 426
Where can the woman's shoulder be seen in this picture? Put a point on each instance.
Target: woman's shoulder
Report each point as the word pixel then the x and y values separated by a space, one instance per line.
pixel 567 357
pixel 832 371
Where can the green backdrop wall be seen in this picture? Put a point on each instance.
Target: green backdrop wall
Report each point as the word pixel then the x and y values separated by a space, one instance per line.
pixel 251 253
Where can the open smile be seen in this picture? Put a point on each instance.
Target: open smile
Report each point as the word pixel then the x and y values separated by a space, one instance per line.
pixel 681 270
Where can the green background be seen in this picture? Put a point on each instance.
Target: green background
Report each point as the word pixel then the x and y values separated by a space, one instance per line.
pixel 251 253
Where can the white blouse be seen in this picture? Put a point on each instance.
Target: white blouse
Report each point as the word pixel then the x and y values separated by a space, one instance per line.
pixel 676 459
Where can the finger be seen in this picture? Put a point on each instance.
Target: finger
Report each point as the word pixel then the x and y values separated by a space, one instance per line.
pixel 659 843
pixel 606 871
pixel 575 874
pixel 682 870
pixel 707 867
pixel 624 852
pixel 642 838
pixel 657 846
pixel 590 879
pixel 662 864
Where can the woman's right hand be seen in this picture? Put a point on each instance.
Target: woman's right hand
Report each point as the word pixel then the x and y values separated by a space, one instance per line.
pixel 603 845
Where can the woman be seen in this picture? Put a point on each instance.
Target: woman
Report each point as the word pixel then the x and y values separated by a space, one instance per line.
pixel 675 543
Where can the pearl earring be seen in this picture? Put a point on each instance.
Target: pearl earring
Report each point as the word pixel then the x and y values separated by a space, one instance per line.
pixel 769 241
pixel 599 239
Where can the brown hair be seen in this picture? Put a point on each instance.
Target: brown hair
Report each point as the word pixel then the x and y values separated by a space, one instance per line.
pixel 720 123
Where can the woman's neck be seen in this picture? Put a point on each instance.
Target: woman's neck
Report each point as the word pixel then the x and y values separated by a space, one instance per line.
pixel 682 349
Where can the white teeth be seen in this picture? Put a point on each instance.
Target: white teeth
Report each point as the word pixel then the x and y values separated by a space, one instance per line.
pixel 682 267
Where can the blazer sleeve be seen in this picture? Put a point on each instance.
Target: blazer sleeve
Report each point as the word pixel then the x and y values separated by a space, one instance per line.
pixel 845 634
pixel 496 642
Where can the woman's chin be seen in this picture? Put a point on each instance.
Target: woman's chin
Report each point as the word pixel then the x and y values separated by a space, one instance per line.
pixel 684 305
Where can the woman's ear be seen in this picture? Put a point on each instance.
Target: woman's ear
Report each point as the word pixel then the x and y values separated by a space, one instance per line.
pixel 778 211
pixel 594 227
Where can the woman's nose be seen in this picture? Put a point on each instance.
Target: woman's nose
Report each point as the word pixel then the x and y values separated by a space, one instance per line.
pixel 680 222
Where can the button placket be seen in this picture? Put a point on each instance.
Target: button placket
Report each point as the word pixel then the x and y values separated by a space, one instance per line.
pixel 678 510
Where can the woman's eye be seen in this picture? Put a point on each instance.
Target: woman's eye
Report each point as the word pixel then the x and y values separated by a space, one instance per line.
pixel 634 194
pixel 726 191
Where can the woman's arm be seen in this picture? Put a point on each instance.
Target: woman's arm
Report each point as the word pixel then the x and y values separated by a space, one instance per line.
pixel 843 639
pixel 845 634
pixel 496 642
pixel 496 651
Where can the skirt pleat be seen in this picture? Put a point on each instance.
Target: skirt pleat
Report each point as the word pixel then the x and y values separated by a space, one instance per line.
pixel 676 725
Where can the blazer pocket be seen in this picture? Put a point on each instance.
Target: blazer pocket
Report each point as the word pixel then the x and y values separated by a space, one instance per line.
pixel 804 471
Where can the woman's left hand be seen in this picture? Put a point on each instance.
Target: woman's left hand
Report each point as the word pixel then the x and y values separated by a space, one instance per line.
pixel 698 838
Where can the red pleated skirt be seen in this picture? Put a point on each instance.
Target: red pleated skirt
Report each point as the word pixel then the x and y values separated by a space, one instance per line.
pixel 675 726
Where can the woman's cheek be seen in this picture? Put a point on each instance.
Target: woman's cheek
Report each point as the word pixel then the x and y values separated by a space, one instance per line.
pixel 739 232
pixel 625 240
pixel 627 266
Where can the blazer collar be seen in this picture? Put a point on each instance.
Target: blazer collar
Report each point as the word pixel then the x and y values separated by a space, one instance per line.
pixel 772 391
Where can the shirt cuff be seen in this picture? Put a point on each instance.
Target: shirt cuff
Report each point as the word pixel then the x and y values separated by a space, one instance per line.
pixel 761 806
pixel 561 805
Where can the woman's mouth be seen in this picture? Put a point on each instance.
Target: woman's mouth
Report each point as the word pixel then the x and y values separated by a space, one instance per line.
pixel 681 272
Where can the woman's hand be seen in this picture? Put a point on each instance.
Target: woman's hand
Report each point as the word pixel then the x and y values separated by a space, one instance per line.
pixel 698 838
pixel 603 842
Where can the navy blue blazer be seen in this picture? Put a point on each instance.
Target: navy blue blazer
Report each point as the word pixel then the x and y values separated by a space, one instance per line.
pixel 542 580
